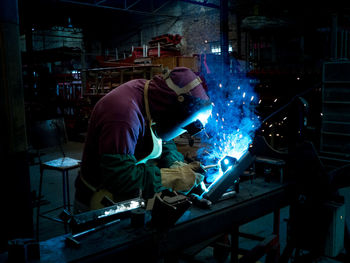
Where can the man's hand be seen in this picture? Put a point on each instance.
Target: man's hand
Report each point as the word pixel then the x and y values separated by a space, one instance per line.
pixel 181 176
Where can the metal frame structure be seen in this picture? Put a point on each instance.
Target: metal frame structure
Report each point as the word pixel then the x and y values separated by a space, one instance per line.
pixel 140 7
pixel 335 139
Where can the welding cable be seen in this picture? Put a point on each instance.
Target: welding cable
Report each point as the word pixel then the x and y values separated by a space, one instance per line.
pixel 289 103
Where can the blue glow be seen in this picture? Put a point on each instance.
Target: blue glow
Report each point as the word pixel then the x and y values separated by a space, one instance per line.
pixel 226 161
pixel 233 122
pixel 204 116
pixel 204 188
pixel 218 176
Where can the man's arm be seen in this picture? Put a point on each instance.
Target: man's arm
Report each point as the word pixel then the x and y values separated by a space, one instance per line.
pixel 170 155
pixel 122 177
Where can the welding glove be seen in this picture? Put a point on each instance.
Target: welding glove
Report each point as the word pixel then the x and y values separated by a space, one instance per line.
pixel 195 166
pixel 181 177
pixel 178 164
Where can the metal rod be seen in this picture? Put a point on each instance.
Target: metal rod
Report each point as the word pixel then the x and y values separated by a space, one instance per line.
pixel 67 190
pixel 64 190
pixel 84 233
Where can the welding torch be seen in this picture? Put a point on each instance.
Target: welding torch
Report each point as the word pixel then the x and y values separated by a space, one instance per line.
pixel 210 166
pixel 195 195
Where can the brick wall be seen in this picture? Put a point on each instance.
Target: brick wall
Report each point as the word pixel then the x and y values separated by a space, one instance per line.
pixel 198 25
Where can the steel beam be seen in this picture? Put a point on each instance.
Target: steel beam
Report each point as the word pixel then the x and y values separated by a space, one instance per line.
pixel 133 4
pixel 117 8
pixel 160 7
pixel 204 3
pixel 100 2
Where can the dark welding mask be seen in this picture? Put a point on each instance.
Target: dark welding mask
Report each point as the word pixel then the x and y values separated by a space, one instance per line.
pixel 186 113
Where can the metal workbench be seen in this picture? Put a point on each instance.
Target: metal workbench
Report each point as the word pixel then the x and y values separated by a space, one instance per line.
pixel 127 244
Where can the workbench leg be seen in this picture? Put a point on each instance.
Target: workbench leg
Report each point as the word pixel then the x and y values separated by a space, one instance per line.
pixel 287 253
pixel 39 202
pixel 222 247
pixel 234 244
pixel 274 254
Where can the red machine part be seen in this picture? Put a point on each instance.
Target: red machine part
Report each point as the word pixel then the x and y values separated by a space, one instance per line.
pixel 166 39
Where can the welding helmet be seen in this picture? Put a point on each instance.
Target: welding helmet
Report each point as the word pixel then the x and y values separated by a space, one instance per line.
pixel 188 108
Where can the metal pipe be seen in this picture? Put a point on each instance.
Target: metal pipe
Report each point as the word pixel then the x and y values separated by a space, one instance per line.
pixel 221 184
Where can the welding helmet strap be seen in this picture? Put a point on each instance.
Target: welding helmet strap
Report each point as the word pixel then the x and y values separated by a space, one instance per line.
pixel 145 95
pixel 186 89
pixel 157 142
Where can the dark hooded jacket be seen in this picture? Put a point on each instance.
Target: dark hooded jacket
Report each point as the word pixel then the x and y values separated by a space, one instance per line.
pixel 119 136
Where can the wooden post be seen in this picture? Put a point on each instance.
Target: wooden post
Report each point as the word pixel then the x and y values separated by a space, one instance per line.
pixel 15 179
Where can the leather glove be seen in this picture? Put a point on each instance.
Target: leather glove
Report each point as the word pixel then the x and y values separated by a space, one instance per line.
pixel 195 166
pixel 181 176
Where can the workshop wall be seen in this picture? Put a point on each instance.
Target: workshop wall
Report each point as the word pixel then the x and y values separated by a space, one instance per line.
pixel 199 26
pixel 200 29
pixel 57 37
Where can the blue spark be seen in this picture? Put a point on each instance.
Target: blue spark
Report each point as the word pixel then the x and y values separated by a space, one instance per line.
pixel 232 125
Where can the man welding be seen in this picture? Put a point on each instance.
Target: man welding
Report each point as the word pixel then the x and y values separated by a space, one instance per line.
pixel 129 148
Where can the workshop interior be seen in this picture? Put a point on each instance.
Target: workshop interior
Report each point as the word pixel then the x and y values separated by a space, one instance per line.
pixel 268 144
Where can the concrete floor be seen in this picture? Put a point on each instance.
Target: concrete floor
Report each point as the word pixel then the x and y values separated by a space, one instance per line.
pixel 52 192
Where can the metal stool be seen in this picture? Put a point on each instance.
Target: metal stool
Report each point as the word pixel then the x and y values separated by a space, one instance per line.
pixel 63 165
pixel 50 133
